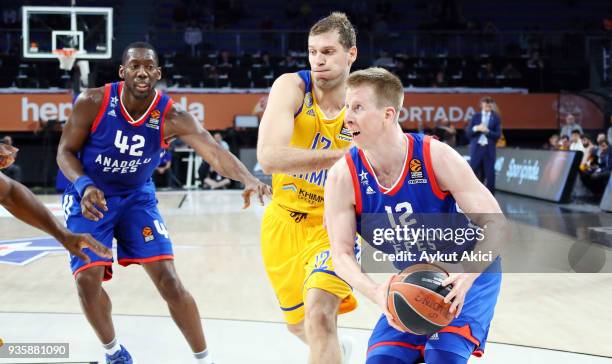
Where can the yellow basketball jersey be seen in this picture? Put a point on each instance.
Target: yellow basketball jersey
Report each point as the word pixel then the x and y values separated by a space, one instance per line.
pixel 312 130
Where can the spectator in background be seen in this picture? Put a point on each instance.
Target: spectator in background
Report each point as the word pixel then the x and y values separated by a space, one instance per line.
pixel 510 72
pixel 601 137
pixel 564 142
pixel 219 138
pixel 483 131
pixel 14 170
pixel 210 178
pixel 440 80
pixel 576 142
pixel 487 73
pixel 384 60
pixel 446 132
pixel 595 171
pixel 609 133
pixel 193 38
pixel 535 61
pixel 552 143
pixel 163 174
pixel 570 126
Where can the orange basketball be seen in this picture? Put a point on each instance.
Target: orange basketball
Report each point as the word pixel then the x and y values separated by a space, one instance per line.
pixel 416 299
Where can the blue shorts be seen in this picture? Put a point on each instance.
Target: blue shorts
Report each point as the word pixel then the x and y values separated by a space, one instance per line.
pixel 133 220
pixel 466 335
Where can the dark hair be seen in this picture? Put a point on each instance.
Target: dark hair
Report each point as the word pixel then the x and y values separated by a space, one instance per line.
pixel 487 100
pixel 134 45
pixel 337 21
pixel 577 132
pixel 564 137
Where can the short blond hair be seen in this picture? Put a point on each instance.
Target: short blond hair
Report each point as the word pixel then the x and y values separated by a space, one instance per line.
pixel 340 22
pixel 387 87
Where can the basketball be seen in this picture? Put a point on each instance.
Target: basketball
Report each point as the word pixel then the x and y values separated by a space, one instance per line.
pixel 416 299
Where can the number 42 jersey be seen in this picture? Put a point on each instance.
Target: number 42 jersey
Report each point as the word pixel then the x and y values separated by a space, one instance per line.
pixel 122 152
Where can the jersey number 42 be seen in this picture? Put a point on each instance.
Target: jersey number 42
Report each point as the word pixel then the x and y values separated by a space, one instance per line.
pixel 135 148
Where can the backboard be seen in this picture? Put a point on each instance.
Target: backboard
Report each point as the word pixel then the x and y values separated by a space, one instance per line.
pixel 89 30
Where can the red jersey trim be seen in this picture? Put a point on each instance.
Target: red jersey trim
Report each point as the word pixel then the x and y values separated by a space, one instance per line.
pixel 391 191
pixel 420 348
pixel 430 171
pixel 108 271
pixel 162 140
pixel 98 119
pixel 128 261
pixel 356 188
pixel 466 332
pixel 144 116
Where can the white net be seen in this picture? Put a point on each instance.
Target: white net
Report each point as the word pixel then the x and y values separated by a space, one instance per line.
pixel 66 57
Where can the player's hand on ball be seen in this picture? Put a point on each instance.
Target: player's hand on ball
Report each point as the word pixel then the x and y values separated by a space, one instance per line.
pixel 255 186
pixel 92 203
pixel 7 155
pixel 75 243
pixel 381 300
pixel 462 282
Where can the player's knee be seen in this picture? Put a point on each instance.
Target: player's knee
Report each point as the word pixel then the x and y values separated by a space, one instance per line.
pixel 320 321
pixel 172 290
pixel 89 285
pixel 436 356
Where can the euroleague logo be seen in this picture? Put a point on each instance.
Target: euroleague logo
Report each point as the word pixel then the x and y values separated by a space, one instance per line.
pixel 416 172
pixel 147 234
pixel 153 122
pixel 416 169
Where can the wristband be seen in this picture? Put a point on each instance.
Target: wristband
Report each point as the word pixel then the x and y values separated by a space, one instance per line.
pixel 81 183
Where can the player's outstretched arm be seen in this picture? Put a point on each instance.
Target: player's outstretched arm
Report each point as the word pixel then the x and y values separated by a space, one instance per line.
pixel 74 135
pixel 274 153
pixel 341 224
pixel 22 203
pixel 180 124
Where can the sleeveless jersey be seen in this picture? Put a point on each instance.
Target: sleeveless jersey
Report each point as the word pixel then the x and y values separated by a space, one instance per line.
pixel 312 130
pixel 122 153
pixel 415 200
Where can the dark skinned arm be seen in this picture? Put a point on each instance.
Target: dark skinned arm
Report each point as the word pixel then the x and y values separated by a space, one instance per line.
pixel 22 203
pixel 75 134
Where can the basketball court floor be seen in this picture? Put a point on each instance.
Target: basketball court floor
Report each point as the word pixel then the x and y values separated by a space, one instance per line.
pixel 540 318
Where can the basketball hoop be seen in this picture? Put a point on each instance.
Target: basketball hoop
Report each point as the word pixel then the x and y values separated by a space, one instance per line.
pixel 66 57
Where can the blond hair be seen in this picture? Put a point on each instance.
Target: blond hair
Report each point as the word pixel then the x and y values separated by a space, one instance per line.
pixel 387 86
pixel 340 22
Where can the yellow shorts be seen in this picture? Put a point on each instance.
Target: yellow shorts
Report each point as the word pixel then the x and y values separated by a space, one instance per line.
pixel 297 257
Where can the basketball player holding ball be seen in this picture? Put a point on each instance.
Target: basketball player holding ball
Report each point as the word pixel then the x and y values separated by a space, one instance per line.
pixel 374 178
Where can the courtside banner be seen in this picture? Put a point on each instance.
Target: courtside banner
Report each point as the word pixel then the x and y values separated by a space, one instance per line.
pixel 544 174
pixel 27 111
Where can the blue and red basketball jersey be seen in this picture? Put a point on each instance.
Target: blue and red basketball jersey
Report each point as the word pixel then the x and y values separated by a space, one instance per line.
pixel 416 200
pixel 121 153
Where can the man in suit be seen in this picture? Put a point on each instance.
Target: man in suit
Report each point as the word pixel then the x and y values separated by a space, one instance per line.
pixel 483 131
